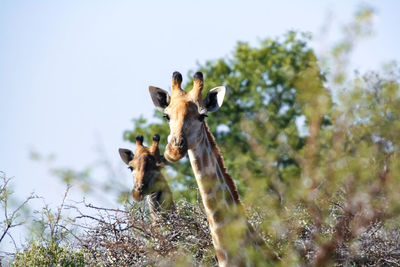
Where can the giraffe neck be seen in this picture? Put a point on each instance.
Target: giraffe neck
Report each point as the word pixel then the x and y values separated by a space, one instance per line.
pixel 161 200
pixel 220 199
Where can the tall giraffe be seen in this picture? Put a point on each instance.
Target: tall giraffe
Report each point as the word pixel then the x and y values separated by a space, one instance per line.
pixel 231 233
pixel 149 182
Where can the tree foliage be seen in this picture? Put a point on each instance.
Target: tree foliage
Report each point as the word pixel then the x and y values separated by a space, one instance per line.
pixel 262 89
pixel 49 255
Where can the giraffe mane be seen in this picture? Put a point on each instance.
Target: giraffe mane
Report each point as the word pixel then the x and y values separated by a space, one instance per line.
pixel 228 178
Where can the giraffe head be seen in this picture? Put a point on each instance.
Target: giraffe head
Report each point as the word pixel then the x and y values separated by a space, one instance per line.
pixel 144 164
pixel 185 112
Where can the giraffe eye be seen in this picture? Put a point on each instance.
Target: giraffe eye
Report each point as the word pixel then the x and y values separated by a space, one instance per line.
pixel 202 116
pixel 166 117
pixel 130 168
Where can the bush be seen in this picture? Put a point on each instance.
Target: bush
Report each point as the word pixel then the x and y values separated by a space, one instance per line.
pixel 53 254
pixel 130 237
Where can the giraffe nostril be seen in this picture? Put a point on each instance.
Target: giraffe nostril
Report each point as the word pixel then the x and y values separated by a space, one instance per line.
pixel 178 143
pixel 175 141
pixel 139 188
pixel 181 142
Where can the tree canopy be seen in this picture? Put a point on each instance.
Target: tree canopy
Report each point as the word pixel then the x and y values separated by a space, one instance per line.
pixel 264 96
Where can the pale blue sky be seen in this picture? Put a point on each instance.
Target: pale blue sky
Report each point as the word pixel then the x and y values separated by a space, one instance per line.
pixel 72 72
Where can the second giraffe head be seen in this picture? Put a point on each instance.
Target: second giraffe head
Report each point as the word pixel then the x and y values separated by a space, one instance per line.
pixel 144 164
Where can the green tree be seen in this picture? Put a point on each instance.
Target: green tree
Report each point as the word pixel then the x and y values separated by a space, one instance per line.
pixel 262 91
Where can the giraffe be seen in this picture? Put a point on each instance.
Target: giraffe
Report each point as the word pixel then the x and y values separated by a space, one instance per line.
pixel 231 233
pixel 149 182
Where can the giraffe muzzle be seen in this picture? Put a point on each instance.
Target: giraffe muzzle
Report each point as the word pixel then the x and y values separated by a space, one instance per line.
pixel 175 150
pixel 137 195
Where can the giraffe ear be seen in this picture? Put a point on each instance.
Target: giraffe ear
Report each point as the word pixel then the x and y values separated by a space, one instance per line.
pixel 160 97
pixel 214 98
pixel 126 155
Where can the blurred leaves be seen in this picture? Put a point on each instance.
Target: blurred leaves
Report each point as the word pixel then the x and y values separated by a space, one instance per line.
pixel 359 28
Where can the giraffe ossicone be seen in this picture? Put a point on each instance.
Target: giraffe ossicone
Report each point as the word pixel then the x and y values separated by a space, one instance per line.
pixel 231 233
pixel 145 165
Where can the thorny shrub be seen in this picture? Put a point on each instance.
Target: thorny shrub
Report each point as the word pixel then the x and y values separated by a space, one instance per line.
pixel 131 238
pixel 128 237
